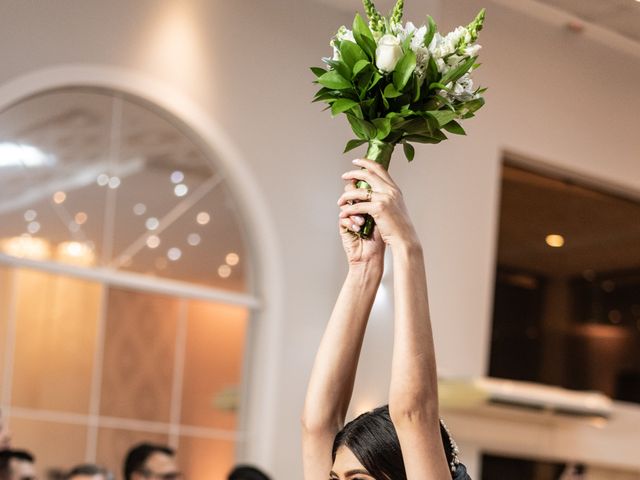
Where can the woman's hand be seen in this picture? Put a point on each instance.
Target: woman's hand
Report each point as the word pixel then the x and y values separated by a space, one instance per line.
pixel 359 250
pixel 384 203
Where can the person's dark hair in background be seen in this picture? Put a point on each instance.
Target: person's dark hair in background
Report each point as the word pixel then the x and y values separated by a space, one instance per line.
pixel 247 472
pixel 89 472
pixel 148 460
pixel 17 465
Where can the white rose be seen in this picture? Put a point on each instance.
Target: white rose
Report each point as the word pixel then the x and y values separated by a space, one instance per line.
pixel 388 53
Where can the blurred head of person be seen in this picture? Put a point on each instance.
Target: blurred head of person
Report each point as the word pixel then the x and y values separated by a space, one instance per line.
pixel 17 465
pixel 89 472
pixel 148 461
pixel 247 472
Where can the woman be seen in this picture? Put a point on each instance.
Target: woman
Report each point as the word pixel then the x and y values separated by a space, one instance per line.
pixel 405 441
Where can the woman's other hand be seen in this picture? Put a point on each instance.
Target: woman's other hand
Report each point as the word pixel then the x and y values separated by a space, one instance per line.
pixel 384 203
pixel 359 250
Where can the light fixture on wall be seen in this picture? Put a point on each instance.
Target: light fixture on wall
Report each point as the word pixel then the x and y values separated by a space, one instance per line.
pixel 75 253
pixel 28 247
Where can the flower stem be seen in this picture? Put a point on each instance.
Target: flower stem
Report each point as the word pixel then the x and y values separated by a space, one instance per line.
pixel 379 152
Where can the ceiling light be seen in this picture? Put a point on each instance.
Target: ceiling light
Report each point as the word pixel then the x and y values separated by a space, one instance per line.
pixel 59 197
pixel 26 247
pixel 224 271
pixel 203 218
pixel 177 177
pixel 174 254
pixel 139 209
pixel 18 155
pixel 152 223
pixel 33 228
pixel 81 218
pixel 181 190
pixel 555 240
pixel 194 239
pixel 153 241
pixel 30 215
pixel 75 253
pixel 232 259
pixel 114 182
pixel 103 179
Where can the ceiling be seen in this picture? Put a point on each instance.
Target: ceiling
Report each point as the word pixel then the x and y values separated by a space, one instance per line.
pixel 620 16
pixel 601 230
pixel 121 180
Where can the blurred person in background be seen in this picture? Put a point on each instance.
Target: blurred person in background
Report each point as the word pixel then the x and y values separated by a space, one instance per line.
pixel 17 465
pixel 247 472
pixel 5 436
pixel 89 472
pixel 148 461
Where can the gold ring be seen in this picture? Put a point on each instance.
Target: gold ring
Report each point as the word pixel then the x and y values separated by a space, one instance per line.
pixel 369 194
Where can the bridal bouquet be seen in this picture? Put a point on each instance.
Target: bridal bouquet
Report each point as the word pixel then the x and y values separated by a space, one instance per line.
pixel 400 84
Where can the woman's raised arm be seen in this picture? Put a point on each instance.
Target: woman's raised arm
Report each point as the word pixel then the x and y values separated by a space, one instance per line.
pixel 413 394
pixel 333 375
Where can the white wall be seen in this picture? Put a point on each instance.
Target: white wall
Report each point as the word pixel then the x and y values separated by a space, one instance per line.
pixel 553 95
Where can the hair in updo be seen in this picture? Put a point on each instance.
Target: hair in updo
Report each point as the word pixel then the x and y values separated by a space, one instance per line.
pixel 373 440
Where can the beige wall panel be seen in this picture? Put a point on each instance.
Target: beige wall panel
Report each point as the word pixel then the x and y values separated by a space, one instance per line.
pixel 113 445
pixel 56 323
pixel 201 458
pixel 57 446
pixel 213 364
pixel 139 355
pixel 5 304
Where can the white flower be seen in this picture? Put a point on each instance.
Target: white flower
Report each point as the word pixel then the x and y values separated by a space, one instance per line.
pixel 463 88
pixel 388 53
pixel 472 50
pixel 418 38
pixel 343 34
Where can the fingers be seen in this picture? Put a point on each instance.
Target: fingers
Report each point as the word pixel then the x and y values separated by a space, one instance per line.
pixel 377 183
pixel 352 223
pixel 376 168
pixel 355 195
pixel 360 209
pixel 349 185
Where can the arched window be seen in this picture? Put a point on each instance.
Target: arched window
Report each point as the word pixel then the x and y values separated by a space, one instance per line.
pixel 125 284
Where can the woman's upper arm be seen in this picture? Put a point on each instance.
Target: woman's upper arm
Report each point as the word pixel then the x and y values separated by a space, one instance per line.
pixel 422 450
pixel 316 454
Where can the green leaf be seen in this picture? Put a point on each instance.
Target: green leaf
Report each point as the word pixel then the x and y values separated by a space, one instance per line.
pixel 438 86
pixel 383 127
pixel 340 67
pixel 342 105
pixel 317 71
pixel 442 116
pixel 455 73
pixel 332 79
pixel 359 66
pixel 351 144
pixel 363 129
pixel 407 41
pixel 432 28
pixel 421 139
pixel 409 151
pixel 404 69
pixel 374 80
pixel 454 127
pixel 391 92
pixel 351 53
pixel 471 106
pixel 363 36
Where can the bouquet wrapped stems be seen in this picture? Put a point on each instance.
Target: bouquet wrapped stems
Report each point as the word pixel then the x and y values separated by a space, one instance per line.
pixel 380 152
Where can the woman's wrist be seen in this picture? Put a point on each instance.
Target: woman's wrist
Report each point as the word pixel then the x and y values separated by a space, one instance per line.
pixel 370 269
pixel 409 247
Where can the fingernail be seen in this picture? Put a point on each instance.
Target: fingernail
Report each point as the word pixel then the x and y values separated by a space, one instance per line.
pixel 355 161
pixel 355 227
pixel 359 220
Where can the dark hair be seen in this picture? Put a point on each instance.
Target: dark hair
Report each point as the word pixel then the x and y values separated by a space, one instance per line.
pixel 89 469
pixel 138 455
pixel 247 472
pixel 373 440
pixel 5 461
